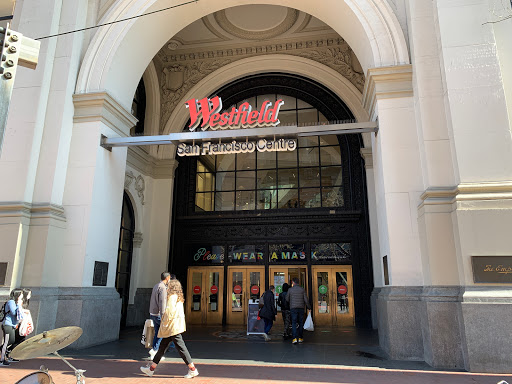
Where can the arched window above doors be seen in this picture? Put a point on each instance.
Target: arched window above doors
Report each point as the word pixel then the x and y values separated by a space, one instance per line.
pixel 310 177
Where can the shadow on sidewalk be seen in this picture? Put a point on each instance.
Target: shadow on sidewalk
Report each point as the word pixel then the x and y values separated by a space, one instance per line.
pixel 216 344
pixel 100 371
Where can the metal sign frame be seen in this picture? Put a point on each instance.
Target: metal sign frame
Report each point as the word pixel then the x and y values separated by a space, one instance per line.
pixel 287 131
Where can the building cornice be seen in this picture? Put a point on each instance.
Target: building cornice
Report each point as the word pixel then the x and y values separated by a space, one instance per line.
pixel 100 106
pixel 367 155
pixel 386 83
pixel 467 192
pixel 32 211
pixel 150 166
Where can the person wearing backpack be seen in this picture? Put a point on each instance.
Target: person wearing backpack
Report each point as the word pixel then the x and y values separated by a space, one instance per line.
pixel 12 318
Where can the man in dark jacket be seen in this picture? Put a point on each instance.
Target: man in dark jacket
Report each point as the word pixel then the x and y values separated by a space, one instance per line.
pixel 268 311
pixel 297 299
pixel 285 311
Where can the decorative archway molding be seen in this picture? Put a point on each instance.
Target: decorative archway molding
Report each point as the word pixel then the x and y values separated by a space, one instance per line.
pixel 261 64
pixel 377 38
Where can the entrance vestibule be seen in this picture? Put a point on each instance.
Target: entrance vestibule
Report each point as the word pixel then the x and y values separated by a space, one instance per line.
pixel 244 284
pixel 333 296
pixel 282 274
pixel 270 217
pixel 205 295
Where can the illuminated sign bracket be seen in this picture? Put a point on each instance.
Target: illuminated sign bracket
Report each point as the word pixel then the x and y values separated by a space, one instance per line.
pixel 289 132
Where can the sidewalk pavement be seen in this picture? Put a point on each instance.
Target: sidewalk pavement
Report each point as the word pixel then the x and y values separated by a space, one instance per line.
pixel 228 356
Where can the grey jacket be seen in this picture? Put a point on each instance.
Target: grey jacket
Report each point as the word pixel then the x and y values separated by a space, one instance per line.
pixel 297 298
pixel 158 299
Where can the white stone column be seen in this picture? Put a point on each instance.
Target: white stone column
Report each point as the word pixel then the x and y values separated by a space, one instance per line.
pixel 398 186
pixel 378 274
pixel 153 220
pixel 23 136
pixel 94 187
pixel 479 126
pixel 436 233
pixel 377 262
pixel 439 299
pixel 397 170
pixel 92 201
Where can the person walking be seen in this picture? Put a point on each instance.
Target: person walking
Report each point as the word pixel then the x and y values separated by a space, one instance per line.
pixel 268 311
pixel 172 326
pixel 13 316
pixel 157 306
pixel 285 312
pixel 297 299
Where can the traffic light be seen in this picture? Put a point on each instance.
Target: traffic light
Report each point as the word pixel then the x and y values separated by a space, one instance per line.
pixel 16 50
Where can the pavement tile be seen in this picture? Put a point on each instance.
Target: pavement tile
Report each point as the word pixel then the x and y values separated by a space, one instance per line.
pixel 229 356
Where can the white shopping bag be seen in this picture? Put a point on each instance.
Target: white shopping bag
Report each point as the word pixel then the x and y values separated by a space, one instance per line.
pixel 27 325
pixel 308 324
pixel 147 333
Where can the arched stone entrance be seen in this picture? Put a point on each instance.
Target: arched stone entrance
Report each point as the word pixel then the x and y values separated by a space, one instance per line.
pixel 434 204
pixel 376 38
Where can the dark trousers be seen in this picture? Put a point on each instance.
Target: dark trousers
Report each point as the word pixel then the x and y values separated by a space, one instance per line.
pixel 18 339
pixel 180 347
pixel 297 321
pixel 287 320
pixel 8 340
pixel 268 325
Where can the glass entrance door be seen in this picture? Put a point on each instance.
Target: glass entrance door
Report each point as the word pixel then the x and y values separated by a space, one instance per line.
pixel 281 274
pixel 204 295
pixel 333 295
pixel 244 283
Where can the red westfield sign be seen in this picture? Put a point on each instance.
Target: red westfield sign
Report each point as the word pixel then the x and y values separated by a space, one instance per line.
pixel 206 113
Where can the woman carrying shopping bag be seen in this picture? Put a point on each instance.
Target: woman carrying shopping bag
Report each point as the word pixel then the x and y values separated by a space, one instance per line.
pixel 26 326
pixel 13 316
pixel 171 328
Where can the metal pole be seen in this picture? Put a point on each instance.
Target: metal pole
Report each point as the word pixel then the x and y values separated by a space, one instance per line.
pixel 80 378
pixel 15 50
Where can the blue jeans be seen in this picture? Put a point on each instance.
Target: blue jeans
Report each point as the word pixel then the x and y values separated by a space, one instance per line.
pixel 268 325
pixel 297 317
pixel 156 340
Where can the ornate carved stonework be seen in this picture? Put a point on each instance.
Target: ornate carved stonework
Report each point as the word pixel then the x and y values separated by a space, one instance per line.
pixel 137 239
pixel 139 184
pixel 178 79
pixel 181 71
pixel 339 59
pixel 128 179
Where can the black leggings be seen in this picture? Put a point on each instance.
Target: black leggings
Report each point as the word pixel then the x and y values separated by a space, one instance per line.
pixel 180 346
pixel 8 339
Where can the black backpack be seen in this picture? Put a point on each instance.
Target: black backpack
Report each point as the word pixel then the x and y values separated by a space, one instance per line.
pixel 2 312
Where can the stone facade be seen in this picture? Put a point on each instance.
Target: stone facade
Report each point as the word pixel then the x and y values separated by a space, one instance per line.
pixel 435 74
